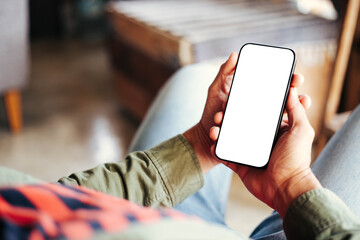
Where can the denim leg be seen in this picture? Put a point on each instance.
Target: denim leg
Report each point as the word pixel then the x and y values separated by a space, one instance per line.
pixel 178 107
pixel 270 228
pixel 337 168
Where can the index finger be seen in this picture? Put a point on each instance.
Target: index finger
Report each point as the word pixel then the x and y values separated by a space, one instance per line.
pixel 228 67
pixel 297 80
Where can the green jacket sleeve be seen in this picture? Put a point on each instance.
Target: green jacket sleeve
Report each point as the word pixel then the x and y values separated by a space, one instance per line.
pixel 320 214
pixel 161 176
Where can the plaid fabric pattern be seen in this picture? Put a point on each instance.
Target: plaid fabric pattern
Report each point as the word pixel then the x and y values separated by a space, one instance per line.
pixel 48 211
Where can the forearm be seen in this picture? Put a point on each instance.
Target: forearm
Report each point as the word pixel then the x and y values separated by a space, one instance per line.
pixel 163 175
pixel 320 214
pixel 201 144
pixel 292 188
pixel 311 212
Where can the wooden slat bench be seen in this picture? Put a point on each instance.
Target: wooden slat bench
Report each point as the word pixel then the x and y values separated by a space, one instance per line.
pixel 154 38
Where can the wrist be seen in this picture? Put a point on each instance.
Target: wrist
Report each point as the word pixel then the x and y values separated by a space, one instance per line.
pixel 201 143
pixel 293 188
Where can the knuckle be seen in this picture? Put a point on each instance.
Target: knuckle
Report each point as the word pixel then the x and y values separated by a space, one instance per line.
pixel 210 88
pixel 311 132
pixel 305 130
pixel 222 67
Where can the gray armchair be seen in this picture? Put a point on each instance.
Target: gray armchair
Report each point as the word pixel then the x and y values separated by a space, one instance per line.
pixel 13 57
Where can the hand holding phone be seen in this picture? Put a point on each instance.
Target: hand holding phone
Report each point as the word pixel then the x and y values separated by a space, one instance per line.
pixel 255 104
pixel 288 174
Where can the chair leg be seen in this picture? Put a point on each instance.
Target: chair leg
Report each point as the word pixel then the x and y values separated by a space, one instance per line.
pixel 14 110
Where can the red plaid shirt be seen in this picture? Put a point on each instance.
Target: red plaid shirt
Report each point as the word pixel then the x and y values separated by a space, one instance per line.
pixel 46 211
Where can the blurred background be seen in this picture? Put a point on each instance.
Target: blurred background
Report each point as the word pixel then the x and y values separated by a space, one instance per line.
pixel 72 95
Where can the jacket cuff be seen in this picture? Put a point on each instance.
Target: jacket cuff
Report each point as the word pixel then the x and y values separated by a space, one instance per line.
pixel 316 213
pixel 178 166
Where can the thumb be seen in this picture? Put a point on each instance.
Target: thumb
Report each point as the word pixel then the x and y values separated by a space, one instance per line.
pixel 229 66
pixel 294 109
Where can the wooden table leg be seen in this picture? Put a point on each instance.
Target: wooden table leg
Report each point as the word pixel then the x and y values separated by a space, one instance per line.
pixel 14 110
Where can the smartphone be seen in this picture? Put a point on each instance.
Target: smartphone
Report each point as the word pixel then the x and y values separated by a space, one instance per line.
pixel 255 105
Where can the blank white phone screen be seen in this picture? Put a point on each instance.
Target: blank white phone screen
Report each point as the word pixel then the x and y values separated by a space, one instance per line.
pixel 255 104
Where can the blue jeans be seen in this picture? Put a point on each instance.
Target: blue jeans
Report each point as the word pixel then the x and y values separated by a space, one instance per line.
pixel 179 106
